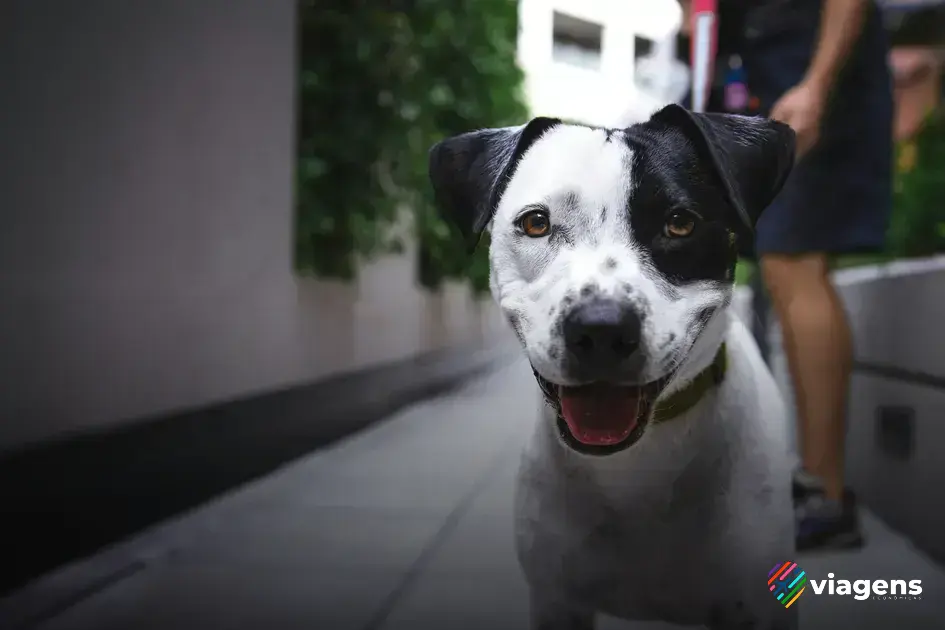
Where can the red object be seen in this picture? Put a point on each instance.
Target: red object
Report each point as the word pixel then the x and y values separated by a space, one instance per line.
pixel 704 29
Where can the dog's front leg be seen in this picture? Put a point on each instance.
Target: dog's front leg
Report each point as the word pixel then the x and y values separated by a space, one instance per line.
pixel 553 613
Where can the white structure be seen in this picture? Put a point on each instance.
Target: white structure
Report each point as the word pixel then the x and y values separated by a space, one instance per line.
pixel 601 62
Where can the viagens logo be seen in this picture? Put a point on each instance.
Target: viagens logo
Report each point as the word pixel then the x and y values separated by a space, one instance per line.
pixel 787 582
pixel 862 590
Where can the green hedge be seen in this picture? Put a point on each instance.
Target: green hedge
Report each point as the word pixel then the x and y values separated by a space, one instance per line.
pixel 378 87
pixel 918 220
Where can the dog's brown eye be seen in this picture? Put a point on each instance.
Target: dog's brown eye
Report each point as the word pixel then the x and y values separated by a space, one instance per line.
pixel 535 223
pixel 679 225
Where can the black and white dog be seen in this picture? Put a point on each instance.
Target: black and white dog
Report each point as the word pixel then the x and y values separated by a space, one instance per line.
pixel 656 487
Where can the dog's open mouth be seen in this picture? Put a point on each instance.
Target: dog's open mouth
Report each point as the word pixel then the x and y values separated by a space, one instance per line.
pixel 601 418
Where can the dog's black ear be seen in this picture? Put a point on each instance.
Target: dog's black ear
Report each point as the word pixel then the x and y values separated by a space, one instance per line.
pixel 751 156
pixel 469 172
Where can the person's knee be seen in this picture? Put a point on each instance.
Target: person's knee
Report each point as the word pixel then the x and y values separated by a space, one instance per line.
pixel 788 276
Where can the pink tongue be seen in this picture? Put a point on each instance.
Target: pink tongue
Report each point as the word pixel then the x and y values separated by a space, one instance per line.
pixel 600 415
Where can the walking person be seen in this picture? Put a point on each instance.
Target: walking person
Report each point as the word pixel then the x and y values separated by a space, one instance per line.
pixel 821 67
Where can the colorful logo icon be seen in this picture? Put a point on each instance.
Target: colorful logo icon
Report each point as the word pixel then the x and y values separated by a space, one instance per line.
pixel 787 582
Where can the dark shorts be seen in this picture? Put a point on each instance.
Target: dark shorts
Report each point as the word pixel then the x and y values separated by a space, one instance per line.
pixel 839 196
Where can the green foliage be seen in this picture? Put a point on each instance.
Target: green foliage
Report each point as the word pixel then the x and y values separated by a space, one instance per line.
pixel 378 88
pixel 918 221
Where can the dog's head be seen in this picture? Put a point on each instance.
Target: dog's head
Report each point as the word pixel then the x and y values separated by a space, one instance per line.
pixel 612 249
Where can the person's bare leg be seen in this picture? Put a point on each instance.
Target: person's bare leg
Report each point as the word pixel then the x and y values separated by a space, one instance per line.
pixel 817 342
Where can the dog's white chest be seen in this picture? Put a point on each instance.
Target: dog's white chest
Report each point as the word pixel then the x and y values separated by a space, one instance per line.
pixel 652 555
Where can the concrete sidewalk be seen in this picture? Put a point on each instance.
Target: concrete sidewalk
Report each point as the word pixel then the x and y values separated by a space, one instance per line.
pixel 407 525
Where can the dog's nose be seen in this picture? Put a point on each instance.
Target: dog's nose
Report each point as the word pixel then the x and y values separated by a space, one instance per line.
pixel 602 334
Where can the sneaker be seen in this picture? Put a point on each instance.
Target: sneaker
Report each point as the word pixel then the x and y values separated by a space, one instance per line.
pixel 823 525
pixel 805 485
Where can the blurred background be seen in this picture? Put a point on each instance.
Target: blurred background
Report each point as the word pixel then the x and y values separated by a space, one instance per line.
pixel 219 255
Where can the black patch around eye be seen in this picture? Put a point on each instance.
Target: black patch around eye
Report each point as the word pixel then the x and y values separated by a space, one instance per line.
pixel 703 255
pixel 670 178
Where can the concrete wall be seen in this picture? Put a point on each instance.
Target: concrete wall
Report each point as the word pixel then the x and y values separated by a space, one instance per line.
pixel 145 243
pixel 897 397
